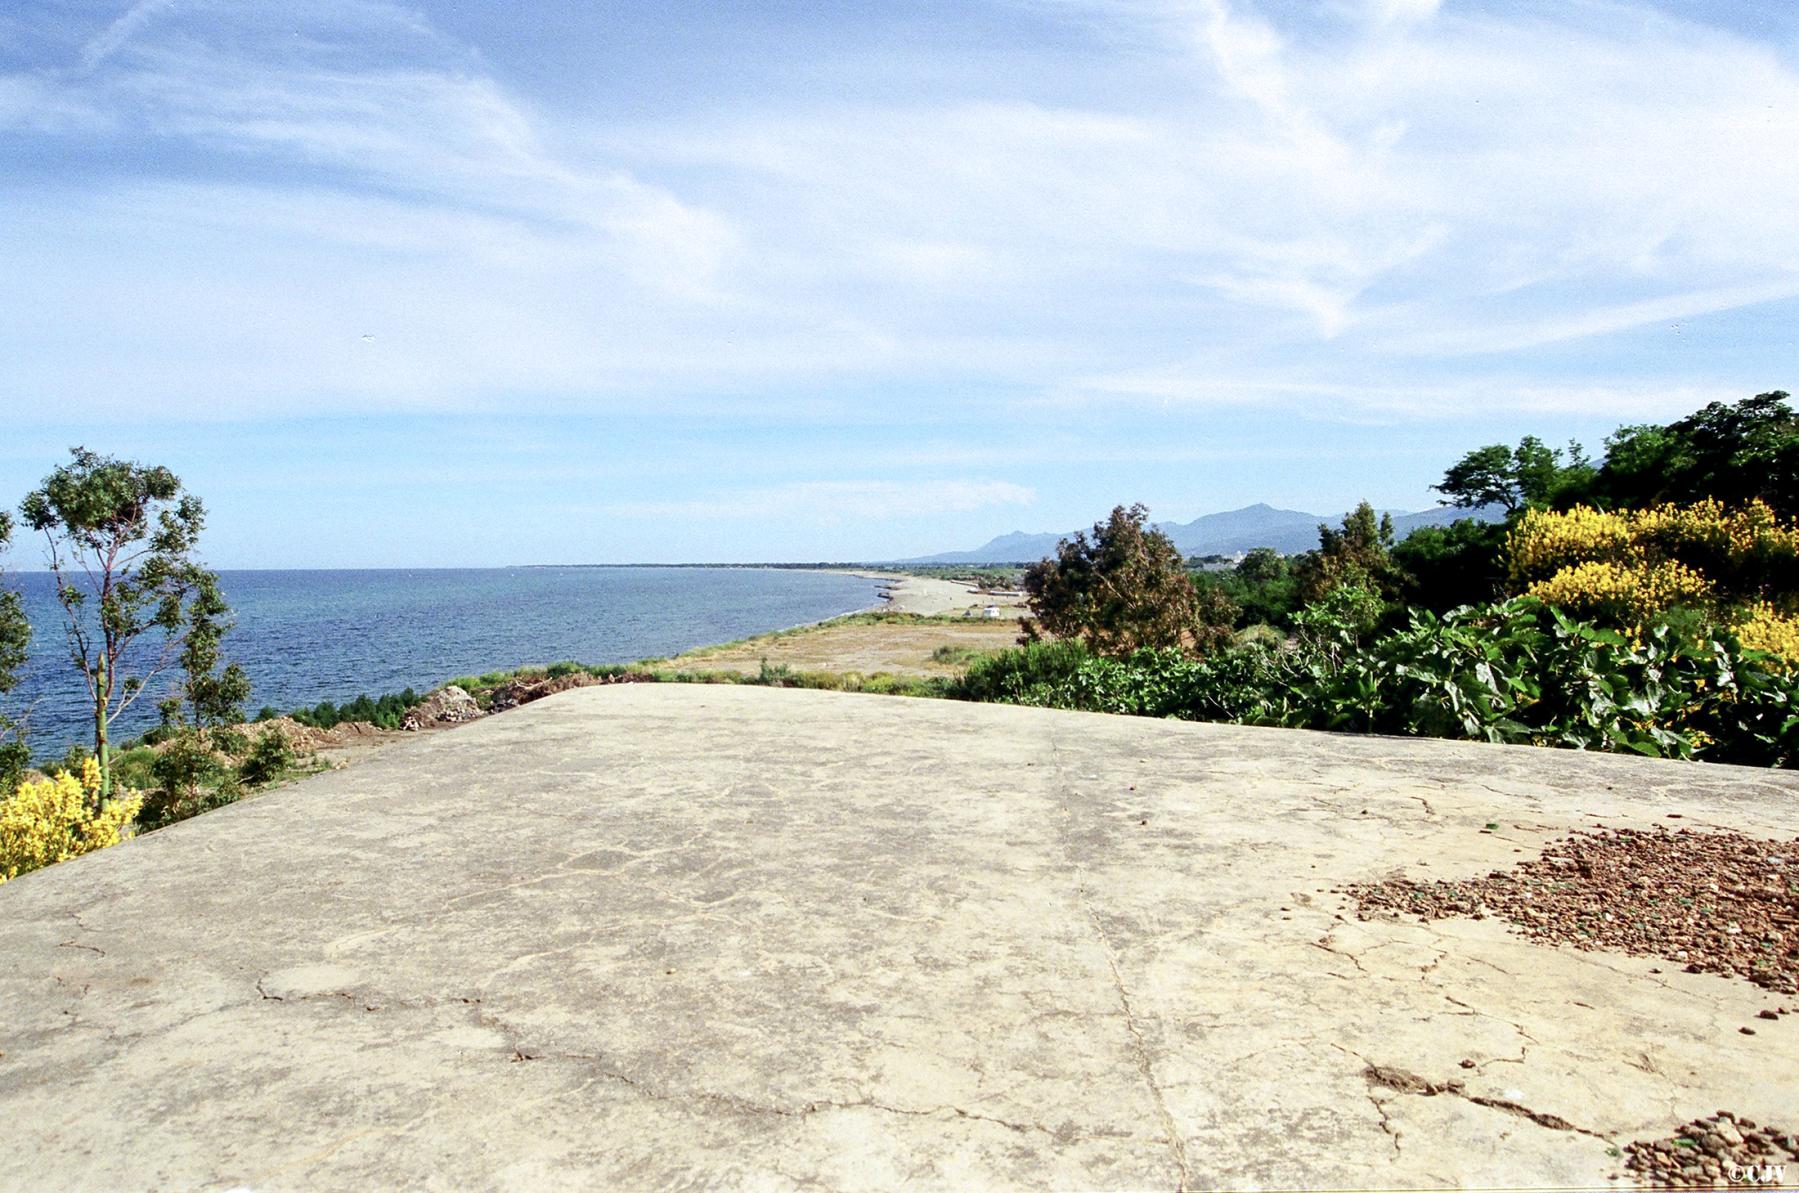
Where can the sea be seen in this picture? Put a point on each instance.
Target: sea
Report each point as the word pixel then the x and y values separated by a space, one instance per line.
pixel 308 636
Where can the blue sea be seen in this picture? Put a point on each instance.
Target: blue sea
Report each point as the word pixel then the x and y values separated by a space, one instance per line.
pixel 307 636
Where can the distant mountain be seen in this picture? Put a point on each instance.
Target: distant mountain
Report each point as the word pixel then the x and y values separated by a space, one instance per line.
pixel 1259 525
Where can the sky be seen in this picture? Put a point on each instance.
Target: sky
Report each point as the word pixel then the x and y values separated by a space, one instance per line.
pixel 479 283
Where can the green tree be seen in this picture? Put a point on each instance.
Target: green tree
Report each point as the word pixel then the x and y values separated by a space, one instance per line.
pixel 209 696
pixel 1262 586
pixel 1443 567
pixel 1515 477
pixel 1735 452
pixel 1263 564
pixel 1122 589
pixel 15 637
pixel 121 541
pixel 1355 555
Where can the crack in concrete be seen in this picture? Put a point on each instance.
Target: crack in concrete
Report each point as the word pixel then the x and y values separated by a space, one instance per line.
pixel 1386 1122
pixel 1177 1146
pixel 1405 1082
pixel 1325 943
pixel 743 1105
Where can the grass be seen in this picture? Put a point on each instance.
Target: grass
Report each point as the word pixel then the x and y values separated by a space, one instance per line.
pixel 995 576
pixel 958 656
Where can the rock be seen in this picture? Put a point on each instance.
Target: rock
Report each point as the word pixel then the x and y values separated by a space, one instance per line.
pixel 449 705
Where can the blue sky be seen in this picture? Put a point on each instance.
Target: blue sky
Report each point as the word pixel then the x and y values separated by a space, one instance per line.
pixel 483 283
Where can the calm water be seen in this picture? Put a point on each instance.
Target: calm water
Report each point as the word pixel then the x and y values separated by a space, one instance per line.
pixel 331 635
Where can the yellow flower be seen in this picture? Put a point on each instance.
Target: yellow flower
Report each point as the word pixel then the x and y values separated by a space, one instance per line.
pixel 47 821
pixel 1762 628
pixel 1631 565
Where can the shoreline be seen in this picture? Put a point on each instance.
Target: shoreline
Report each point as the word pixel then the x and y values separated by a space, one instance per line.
pixel 928 596
pixel 907 595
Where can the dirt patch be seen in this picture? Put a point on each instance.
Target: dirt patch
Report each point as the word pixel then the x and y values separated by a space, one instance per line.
pixel 1714 902
pixel 1717 1150
pixel 927 648
pixel 448 705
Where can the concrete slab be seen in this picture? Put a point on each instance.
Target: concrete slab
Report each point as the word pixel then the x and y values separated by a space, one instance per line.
pixel 656 936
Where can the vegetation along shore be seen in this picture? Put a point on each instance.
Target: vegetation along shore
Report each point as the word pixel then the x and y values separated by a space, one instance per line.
pixel 1646 601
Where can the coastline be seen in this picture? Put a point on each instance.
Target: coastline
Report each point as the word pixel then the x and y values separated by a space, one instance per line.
pixel 927 596
pixel 851 642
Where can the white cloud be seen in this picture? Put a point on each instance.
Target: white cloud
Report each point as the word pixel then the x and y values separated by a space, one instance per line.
pixel 1368 193
pixel 115 35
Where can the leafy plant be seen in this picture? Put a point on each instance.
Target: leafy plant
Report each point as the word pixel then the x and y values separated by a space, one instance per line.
pixel 1518 671
pixel 1124 588
pixel 270 756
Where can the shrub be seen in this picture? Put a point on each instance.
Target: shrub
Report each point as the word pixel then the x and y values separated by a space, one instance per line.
pixel 187 771
pixel 1012 676
pixel 270 756
pixel 1124 589
pixel 387 712
pixel 1630 567
pixel 1519 671
pixel 45 821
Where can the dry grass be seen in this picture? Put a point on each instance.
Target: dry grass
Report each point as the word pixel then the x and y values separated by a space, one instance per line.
pixel 893 646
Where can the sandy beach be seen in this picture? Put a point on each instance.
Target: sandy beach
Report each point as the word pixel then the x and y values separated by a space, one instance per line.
pixel 930 597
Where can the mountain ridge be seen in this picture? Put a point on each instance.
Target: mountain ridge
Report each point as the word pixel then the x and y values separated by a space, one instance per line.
pixel 1226 533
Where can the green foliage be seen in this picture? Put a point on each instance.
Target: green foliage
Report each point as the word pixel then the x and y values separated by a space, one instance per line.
pixel 385 712
pixel 133 768
pixel 165 806
pixel 1122 589
pixel 1732 452
pixel 1515 477
pixel 121 539
pixel 208 695
pixel 1019 676
pixel 187 771
pixel 1441 567
pixel 1263 587
pixel 956 656
pixel 1356 555
pixel 778 675
pixel 1517 672
pixel 270 756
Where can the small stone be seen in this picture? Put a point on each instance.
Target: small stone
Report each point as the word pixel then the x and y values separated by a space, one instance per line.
pixel 1467 1064
pixel 1748 1031
pixel 1767 1015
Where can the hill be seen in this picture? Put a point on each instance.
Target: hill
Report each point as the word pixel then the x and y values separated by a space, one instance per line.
pixel 1228 533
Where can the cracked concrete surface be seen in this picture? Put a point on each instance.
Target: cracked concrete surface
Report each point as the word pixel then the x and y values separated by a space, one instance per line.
pixel 658 936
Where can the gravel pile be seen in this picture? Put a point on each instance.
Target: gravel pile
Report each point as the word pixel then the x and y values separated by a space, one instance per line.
pixel 1714 902
pixel 1720 1150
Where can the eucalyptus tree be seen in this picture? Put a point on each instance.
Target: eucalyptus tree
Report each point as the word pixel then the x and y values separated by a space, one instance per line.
pixel 136 601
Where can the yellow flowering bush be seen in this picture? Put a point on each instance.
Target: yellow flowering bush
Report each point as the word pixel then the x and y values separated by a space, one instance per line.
pixel 1763 628
pixel 47 821
pixel 1632 565
pixel 1629 592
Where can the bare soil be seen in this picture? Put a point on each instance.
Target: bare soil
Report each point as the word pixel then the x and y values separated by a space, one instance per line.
pixel 866 647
